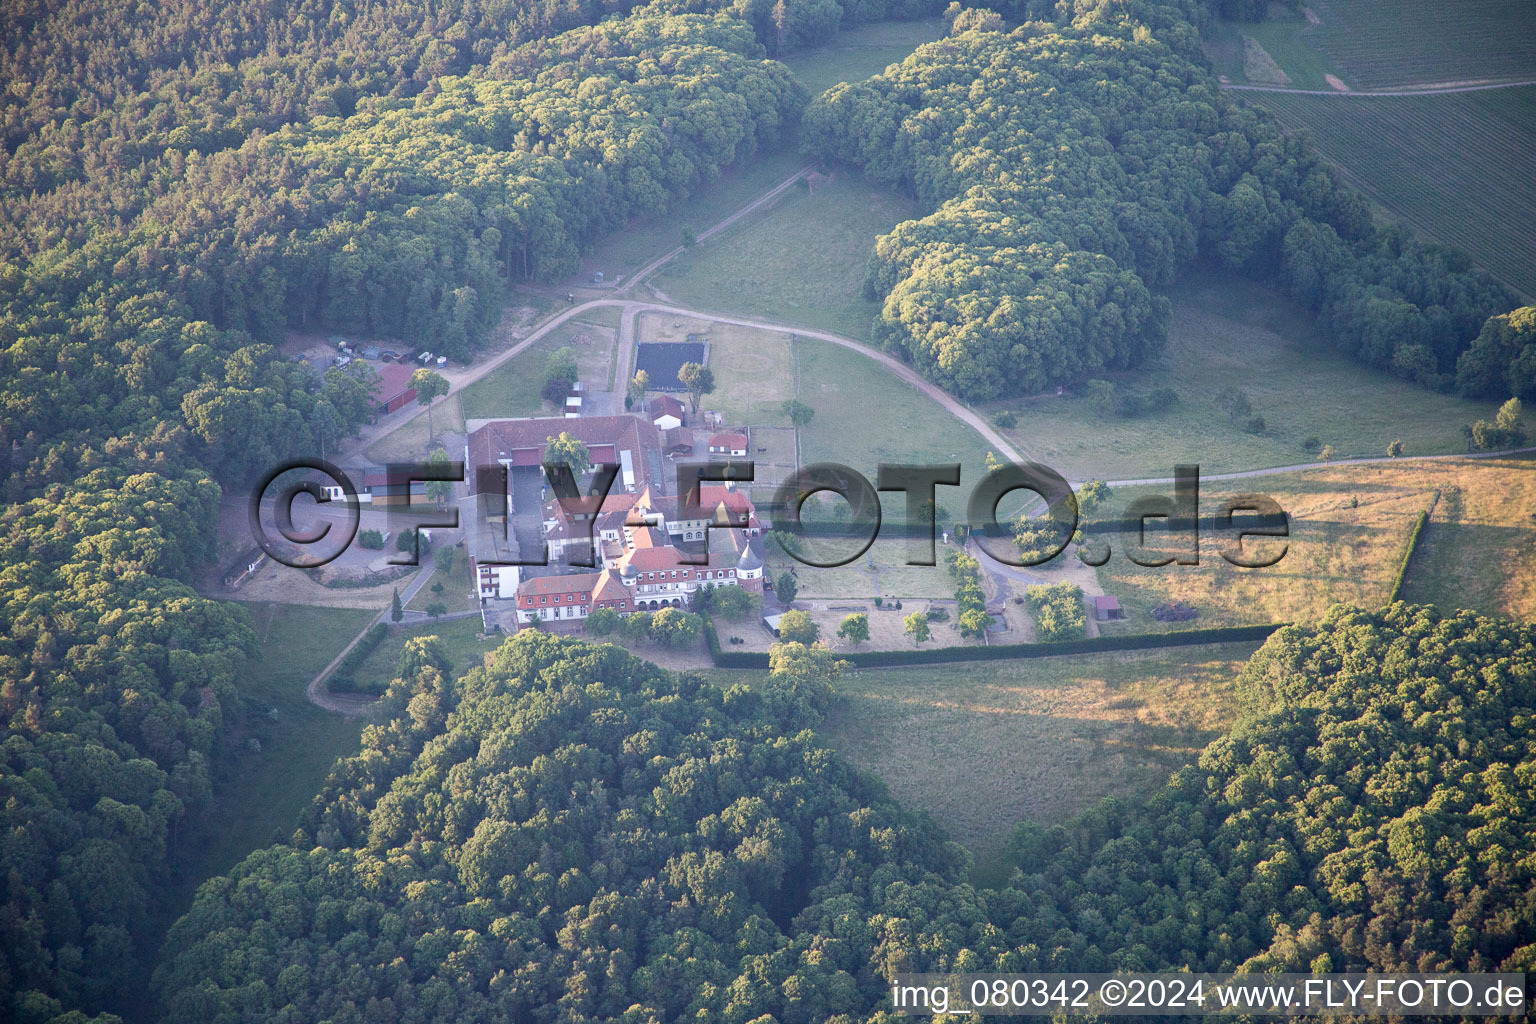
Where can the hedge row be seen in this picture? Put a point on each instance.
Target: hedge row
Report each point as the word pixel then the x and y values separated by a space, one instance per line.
pixel 1413 543
pixel 343 680
pixel 1003 652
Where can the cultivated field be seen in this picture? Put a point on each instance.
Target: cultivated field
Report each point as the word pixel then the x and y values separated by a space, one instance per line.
pixel 801 259
pixel 982 746
pixel 1226 332
pixel 1456 166
pixel 1385 43
pixel 856 54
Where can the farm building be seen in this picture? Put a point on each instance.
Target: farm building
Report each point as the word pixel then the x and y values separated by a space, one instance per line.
pixel 728 443
pixel 628 440
pixel 677 441
pixel 667 413
pixel 662 360
pixel 394 389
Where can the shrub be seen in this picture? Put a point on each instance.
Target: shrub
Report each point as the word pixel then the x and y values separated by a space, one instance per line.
pixel 798 627
pixel 1058 611
pixel 1311 444
pixel 1005 420
pixel 1255 425
pixel 373 540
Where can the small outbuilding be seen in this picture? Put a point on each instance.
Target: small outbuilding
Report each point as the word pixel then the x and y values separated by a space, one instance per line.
pixel 728 443
pixel 1107 607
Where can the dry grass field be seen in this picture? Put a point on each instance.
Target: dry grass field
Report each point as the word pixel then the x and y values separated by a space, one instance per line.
pixel 982 746
pixel 1349 527
pixel 754 370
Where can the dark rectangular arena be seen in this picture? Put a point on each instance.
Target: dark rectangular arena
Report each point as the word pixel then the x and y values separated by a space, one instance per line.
pixel 662 360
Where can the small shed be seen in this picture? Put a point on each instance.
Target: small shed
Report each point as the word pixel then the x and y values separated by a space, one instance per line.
pixel 677 441
pixel 771 623
pixel 1106 607
pixel 372 352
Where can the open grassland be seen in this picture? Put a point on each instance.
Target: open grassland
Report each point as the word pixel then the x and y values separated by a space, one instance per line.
pixel 1230 332
pixel 1287 40
pixel 260 794
pixel 801 259
pixel 1479 549
pixel 865 415
pixel 624 252
pixel 1349 528
pixel 754 370
pixel 982 746
pixel 1386 43
pixel 856 54
pixel 460 640
pixel 1456 166
pixel 512 389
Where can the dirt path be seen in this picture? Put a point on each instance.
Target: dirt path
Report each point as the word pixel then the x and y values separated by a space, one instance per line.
pixel 1410 90
pixel 1303 466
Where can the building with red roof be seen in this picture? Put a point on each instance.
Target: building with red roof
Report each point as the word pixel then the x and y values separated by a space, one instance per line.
pixel 393 390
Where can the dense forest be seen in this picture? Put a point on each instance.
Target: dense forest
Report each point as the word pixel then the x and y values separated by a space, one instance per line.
pixel 572 834
pixel 1075 166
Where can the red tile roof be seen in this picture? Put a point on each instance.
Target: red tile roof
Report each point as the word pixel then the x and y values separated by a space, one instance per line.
pixel 522 442
pixel 729 440
pixel 394 380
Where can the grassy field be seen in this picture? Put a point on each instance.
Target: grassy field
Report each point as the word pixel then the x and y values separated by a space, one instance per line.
pixel 801 259
pixel 512 389
pixel 1043 739
pixel 1288 41
pixel 856 54
pixel 625 251
pixel 1349 526
pixel 465 651
pixel 1386 43
pixel 1455 166
pixel 1230 332
pixel 457 592
pixel 260 795
pixel 1479 548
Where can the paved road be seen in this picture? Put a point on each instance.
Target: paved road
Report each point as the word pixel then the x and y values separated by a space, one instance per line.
pixel 1429 90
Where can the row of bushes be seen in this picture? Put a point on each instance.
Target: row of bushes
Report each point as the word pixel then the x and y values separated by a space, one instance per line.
pixel 972 615
pixel 1413 543
pixel 345 679
pixel 1004 652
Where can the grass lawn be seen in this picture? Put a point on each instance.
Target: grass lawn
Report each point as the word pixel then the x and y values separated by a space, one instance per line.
pixel 802 259
pixel 1288 41
pixel 459 638
pixel 1228 331
pixel 259 795
pixel 512 389
pixel 410 441
pixel 981 747
pixel 1478 550
pixel 626 250
pixel 1457 167
pixel 457 592
pixel 855 54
